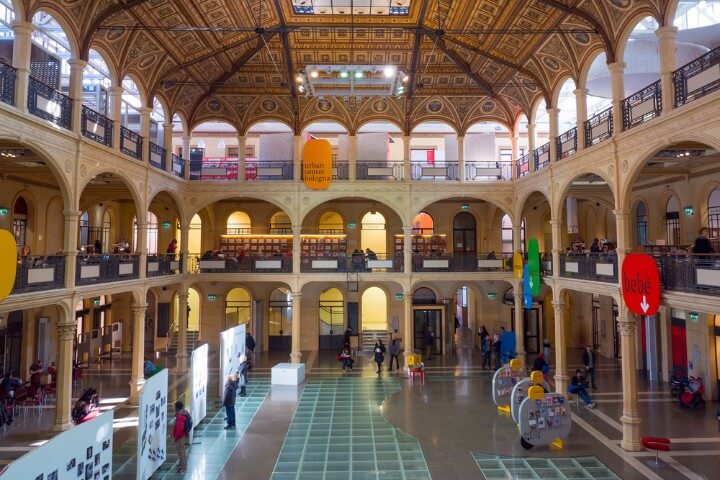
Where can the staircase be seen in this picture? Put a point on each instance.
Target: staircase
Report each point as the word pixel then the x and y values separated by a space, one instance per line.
pixel 369 337
pixel 192 340
pixel 463 339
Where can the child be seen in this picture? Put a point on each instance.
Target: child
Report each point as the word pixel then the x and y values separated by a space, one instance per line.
pixel 183 424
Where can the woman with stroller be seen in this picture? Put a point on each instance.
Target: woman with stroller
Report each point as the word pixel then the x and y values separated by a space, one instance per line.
pixel 346 358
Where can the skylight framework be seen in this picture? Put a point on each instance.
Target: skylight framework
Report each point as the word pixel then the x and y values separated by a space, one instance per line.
pixel 351 7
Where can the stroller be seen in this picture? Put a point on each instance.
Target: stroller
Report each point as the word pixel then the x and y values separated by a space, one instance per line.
pixel 692 396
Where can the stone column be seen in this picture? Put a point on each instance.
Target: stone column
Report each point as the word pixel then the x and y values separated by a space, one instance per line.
pixel 668 59
pixel 66 335
pixel 297 158
pixel 408 335
pixel 519 322
pixel 137 377
pixel 515 144
pixel 531 145
pixel 461 159
pixel 114 104
pixel 630 418
pixel 617 81
pixel 77 67
pixel 296 354
pixel 554 114
pixel 141 247
pixel 167 144
pixel 21 62
pixel 242 144
pixel 70 245
pixel 182 324
pixel 581 108
pixel 352 157
pixel 297 249
pixel 622 226
pixel 184 251
pixel 145 132
pixel 407 166
pixel 556 229
pixel 407 250
pixel 186 155
pixel 561 366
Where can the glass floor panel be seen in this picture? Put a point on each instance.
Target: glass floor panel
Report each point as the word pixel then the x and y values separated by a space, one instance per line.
pixel 506 468
pixel 339 432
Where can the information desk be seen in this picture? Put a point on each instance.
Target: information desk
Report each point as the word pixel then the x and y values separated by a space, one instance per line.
pixel 288 374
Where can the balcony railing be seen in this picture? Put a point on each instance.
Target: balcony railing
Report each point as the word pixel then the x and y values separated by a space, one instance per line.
pixel 471 262
pixel 96 126
pixel 131 143
pixel 542 156
pixel 598 267
pixel 697 78
pixel 479 171
pixel 162 265
pixel 440 170
pixel 240 264
pixel 157 156
pixel 268 169
pixel 566 143
pixel 214 168
pixel 523 166
pixel 39 273
pixel 380 170
pixel 49 104
pixel 642 106
pixel 178 166
pixel 7 83
pixel 340 170
pixel 352 263
pixel 105 268
pixel 599 127
pixel 690 273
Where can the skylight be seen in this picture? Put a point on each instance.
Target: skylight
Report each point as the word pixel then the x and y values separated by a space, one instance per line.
pixel 355 7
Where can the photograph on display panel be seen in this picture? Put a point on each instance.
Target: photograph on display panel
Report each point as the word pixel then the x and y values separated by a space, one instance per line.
pixel 232 344
pixel 152 426
pixel 198 392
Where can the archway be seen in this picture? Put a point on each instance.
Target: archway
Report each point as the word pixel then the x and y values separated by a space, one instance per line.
pixel 280 224
pixel 238 308
pixel 713 218
pixel 194 236
pixel 331 319
pixel 239 223
pixel 373 235
pixel 214 151
pixel 279 321
pixel 508 235
pixel 641 224
pixel 672 221
pixel 20 221
pixel 151 225
pixel 374 310
pixel 194 307
pixel 331 223
pixel 464 235
pixel 423 224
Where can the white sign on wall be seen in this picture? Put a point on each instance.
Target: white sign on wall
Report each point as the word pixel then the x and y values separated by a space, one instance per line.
pixel 83 452
pixel 232 344
pixel 198 390
pixel 152 425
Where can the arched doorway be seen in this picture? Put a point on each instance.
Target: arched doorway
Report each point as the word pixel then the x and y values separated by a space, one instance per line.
pixel 428 316
pixel 331 223
pixel 238 309
pixel 373 310
pixel 423 224
pixel 20 222
pixel 279 326
pixel 105 232
pixel 713 219
pixel 193 302
pixel 532 322
pixel 194 236
pixel 464 241
pixel 331 318
pixel 239 223
pixel 641 224
pixel 372 233
pixel 672 221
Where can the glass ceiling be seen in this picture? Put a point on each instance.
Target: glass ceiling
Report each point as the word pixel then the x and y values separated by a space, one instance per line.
pixel 355 7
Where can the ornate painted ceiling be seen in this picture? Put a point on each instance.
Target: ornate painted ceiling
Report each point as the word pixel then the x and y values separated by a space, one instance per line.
pixel 236 60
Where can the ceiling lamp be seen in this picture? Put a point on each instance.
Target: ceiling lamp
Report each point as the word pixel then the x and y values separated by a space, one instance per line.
pixel 389 71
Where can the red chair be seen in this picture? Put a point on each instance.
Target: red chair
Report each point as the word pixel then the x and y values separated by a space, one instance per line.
pixel 658 444
pixel 31 400
pixel 420 372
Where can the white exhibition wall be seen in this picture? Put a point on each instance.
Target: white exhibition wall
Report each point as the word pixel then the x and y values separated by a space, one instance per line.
pixel 232 344
pixel 198 392
pixel 152 425
pixel 83 452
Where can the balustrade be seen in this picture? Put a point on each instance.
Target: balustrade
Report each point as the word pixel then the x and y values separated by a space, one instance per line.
pixel 49 104
pixel 105 268
pixel 157 156
pixel 566 143
pixel 39 273
pixel 642 106
pixel 599 127
pixel 131 143
pixel 697 78
pixel 96 126
pixel 8 76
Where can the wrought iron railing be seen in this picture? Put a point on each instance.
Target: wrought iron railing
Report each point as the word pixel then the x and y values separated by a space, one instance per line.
pixel 697 78
pixel 340 170
pixel 96 126
pixel 178 166
pixel 690 273
pixel 542 156
pixel 39 273
pixel 478 170
pixel 599 267
pixel 268 169
pixel 106 268
pixel 157 156
pixel 470 262
pixel 566 143
pixel 162 265
pixel 223 263
pixel 439 170
pixel 49 104
pixel 214 168
pixel 354 263
pixel 380 170
pixel 8 76
pixel 599 127
pixel 642 106
pixel 131 143
pixel 523 165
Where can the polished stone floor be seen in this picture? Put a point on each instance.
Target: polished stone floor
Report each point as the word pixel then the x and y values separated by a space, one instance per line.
pixel 361 426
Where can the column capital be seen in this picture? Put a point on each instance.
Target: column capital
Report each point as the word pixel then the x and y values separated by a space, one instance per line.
pixel 407 229
pixel 22 28
pixel 627 326
pixel 552 110
pixel 77 63
pixel 460 137
pixel 556 223
pixel 666 32
pixel 558 305
pixel 296 295
pixel 182 297
pixel 66 331
pixel 296 230
pixel 115 90
pixel 145 110
pixel 72 213
pixel 581 91
pixel 617 67
pixel 517 295
pixel 139 309
pixel 621 212
pixel 186 138
pixel 168 125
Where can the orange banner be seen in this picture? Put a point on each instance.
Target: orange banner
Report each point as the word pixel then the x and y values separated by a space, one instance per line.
pixel 317 164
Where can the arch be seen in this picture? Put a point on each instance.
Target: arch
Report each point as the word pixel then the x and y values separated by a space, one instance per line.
pixel 54 226
pixel 524 197
pixel 174 196
pixel 63 22
pixel 23 214
pixel 112 68
pixel 374 308
pixel 194 303
pixel 377 119
pixel 434 119
pixel 567 185
pixel 139 85
pixel 320 118
pixel 590 57
pixel 279 318
pixel 331 222
pixel 151 234
pixel 424 295
pixel 423 223
pixel 219 196
pixel 280 223
pixel 712 214
pixel 641 214
pixel 627 29
pixel 559 84
pixel 534 108
pixel 391 208
pixel 670 12
pixel 238 222
pixel 331 312
pixel 373 233
pixel 124 177
pixel 265 118
pixel 504 125
pixel 451 194
pixel 183 122
pixel 672 220
pixel 238 307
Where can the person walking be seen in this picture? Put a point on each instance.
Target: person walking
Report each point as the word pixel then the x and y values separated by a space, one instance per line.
pixel 588 359
pixel 229 394
pixel 394 352
pixel 379 355
pixel 181 429
pixel 242 375
pixel 250 349
pixel 486 347
pixel 578 387
pixel 429 342
pixel 497 345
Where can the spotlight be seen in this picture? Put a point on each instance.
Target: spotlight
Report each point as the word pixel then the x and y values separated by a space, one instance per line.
pixel 314 74
pixel 301 88
pixel 405 79
pixel 343 74
pixel 358 74
pixel 299 78
pixel 389 71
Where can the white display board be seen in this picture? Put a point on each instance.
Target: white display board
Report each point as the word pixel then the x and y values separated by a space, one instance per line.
pixel 83 452
pixel 198 388
pixel 232 344
pixel 152 425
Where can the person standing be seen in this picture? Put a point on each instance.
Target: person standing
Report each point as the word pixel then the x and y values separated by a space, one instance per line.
pixel 429 343
pixel 250 349
pixel 497 345
pixel 379 355
pixel 394 352
pixel 180 432
pixel 229 394
pixel 172 247
pixel 242 375
pixel 589 361
pixel 486 350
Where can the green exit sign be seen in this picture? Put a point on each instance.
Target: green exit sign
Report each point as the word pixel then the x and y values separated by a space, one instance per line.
pixel 399 296
pixel 212 297
pixel 464 206
pixel 694 316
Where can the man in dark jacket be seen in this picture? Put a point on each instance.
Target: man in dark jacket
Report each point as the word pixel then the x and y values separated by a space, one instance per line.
pixel 250 349
pixel 229 399
pixel 702 243
pixel 588 359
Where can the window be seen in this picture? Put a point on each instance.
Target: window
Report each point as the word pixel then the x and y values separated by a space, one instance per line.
pixel 507 235
pixel 423 155
pixel 641 224
pixel 422 224
pixel 672 221
pixel 713 220
pixel 506 155
pixel 250 151
pixel 232 152
pixel 20 221
pixel 152 234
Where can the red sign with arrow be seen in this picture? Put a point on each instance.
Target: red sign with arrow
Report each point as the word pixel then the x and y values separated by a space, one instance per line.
pixel 641 284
